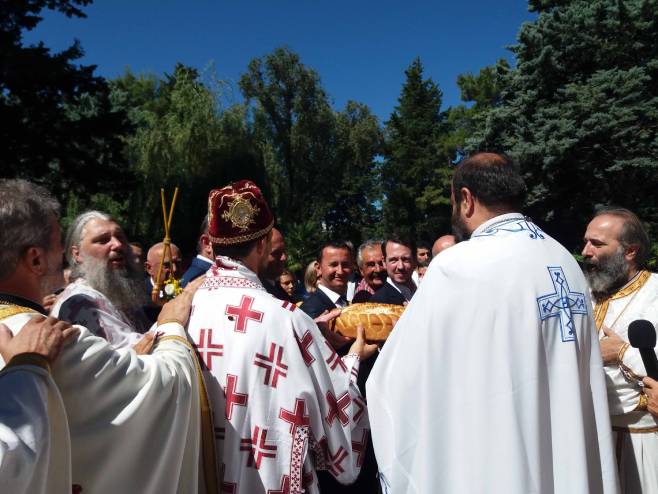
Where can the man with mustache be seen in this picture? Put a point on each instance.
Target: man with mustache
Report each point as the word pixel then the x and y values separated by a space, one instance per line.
pixel 370 261
pixel 616 250
pixel 107 294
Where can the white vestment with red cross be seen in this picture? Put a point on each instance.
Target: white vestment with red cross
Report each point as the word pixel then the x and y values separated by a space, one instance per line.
pixel 284 403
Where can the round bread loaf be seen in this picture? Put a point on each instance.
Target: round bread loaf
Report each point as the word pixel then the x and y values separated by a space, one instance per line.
pixel 377 319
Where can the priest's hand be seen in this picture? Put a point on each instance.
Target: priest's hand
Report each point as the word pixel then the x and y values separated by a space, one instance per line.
pixel 145 345
pixel 40 335
pixel 336 339
pixel 651 390
pixel 360 347
pixel 178 309
pixel 610 346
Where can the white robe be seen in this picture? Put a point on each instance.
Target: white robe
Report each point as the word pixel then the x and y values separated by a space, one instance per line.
pixel 636 430
pixel 488 384
pixel 34 437
pixel 134 421
pixel 81 304
pixel 285 404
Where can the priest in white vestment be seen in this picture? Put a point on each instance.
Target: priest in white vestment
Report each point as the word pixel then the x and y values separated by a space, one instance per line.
pixel 133 422
pixel 29 423
pixel 107 293
pixel 492 380
pixel 285 404
pixel 616 248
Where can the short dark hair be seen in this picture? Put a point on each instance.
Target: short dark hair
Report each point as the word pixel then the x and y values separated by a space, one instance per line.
pixel 632 232
pixel 239 251
pixel 493 179
pixel 202 231
pixel 402 240
pixel 334 244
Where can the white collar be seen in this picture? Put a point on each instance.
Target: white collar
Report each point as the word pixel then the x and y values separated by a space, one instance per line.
pixel 204 258
pixel 406 292
pixel 333 296
pixel 497 219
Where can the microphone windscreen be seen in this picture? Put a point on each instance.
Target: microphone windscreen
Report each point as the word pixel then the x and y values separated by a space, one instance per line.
pixel 642 334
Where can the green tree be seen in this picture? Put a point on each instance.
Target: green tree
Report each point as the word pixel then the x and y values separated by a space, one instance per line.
pixel 411 158
pixel 294 125
pixel 352 212
pixel 58 126
pixel 183 138
pixel 580 111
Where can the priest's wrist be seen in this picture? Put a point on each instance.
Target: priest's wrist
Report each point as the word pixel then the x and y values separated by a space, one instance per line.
pixel 622 351
pixel 29 359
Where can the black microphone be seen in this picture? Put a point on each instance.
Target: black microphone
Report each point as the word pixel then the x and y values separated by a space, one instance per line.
pixel 642 335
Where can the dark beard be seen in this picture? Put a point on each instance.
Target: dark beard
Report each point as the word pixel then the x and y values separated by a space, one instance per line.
pixel 124 287
pixel 607 275
pixel 459 228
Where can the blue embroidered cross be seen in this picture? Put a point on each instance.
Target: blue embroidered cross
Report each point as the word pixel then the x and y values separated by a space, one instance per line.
pixel 563 304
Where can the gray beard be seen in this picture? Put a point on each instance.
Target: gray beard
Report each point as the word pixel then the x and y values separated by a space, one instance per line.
pixel 606 277
pixel 123 287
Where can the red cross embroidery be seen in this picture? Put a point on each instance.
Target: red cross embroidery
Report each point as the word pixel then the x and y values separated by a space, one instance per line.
pixel 244 313
pixel 289 305
pixel 257 447
pixel 297 418
pixel 307 479
pixel 233 397
pixel 337 407
pixel 207 349
pixel 227 487
pixel 267 362
pixel 334 461
pixel 285 486
pixel 304 343
pixel 360 447
pixel 334 360
pixel 361 404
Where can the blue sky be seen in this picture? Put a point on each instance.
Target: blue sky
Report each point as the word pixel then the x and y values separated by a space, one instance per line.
pixel 359 48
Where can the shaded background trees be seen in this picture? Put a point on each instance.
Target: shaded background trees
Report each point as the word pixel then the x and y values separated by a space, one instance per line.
pixel 578 109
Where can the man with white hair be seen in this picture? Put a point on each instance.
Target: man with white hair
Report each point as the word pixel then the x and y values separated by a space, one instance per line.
pixel 99 412
pixel 107 293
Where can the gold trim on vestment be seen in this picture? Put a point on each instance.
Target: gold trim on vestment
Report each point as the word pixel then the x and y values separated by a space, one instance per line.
pixel 208 451
pixel 601 308
pixel 27 359
pixel 643 404
pixel 8 310
pixel 240 239
pixel 635 430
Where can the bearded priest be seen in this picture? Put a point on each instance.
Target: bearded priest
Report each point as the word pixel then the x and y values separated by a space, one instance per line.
pixel 492 379
pixel 116 422
pixel 615 253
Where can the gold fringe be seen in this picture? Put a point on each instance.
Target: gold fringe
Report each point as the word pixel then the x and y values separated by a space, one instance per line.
pixel 601 308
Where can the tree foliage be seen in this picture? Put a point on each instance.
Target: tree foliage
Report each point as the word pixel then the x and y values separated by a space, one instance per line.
pixel 580 111
pixel 412 159
pixel 58 126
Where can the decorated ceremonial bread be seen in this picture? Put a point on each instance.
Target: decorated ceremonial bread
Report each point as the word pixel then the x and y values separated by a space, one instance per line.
pixel 377 319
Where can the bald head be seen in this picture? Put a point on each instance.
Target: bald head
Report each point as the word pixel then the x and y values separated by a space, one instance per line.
pixel 171 264
pixel 442 243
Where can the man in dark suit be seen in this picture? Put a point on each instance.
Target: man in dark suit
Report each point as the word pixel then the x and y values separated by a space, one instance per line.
pixel 400 262
pixel 336 267
pixel 276 263
pixel 204 258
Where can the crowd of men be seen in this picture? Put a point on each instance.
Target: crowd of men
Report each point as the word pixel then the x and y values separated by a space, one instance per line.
pixel 510 370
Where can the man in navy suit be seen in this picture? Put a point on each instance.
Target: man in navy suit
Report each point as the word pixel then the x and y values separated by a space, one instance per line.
pixel 400 262
pixel 336 267
pixel 204 258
